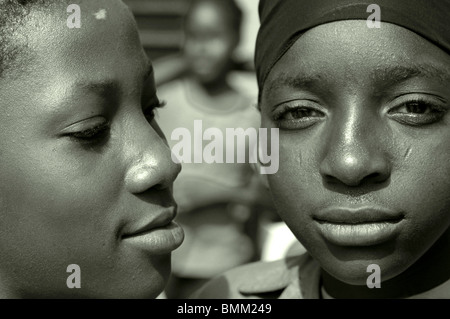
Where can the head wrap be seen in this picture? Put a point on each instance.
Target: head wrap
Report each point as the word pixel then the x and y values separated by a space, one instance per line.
pixel 283 21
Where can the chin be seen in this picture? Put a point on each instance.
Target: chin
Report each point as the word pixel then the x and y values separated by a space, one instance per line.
pixel 142 282
pixel 143 289
pixel 358 272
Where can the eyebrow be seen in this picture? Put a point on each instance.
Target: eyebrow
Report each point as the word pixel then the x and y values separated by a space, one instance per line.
pixel 384 76
pixel 300 81
pixel 101 88
pixel 400 73
pixel 105 88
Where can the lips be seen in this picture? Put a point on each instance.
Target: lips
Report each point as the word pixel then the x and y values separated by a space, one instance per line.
pixel 157 235
pixel 158 220
pixel 357 215
pixel 362 226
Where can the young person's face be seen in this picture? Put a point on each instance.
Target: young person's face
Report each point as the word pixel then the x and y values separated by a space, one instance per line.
pixel 85 171
pixel 210 42
pixel 364 146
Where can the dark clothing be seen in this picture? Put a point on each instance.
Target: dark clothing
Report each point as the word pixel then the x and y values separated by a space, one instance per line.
pixel 283 21
pixel 290 278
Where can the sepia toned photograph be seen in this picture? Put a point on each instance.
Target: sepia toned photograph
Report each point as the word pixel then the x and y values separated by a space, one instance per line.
pixel 217 156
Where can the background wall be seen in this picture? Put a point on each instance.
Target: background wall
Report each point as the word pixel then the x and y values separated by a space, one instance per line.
pixel 160 25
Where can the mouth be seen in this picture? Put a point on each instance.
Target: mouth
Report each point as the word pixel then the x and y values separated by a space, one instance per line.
pixel 364 226
pixel 159 235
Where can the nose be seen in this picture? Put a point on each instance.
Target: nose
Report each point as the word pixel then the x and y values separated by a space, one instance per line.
pixel 354 155
pixel 150 165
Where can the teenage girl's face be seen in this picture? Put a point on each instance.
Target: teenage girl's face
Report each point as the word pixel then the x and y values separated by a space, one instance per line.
pixel 85 171
pixel 364 146
pixel 210 42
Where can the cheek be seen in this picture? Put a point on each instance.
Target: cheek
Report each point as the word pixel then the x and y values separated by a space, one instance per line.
pixel 296 184
pixel 50 214
pixel 60 192
pixel 70 214
pixel 298 175
pixel 421 184
pixel 420 187
pixel 421 172
pixel 53 179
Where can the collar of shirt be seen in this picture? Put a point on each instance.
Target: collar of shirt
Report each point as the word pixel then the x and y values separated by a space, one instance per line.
pixel 299 278
pixel 296 277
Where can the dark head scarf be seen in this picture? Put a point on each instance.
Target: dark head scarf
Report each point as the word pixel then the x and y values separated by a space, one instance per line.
pixel 283 21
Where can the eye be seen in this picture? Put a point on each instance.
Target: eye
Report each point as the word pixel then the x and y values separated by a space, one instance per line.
pixel 149 111
pixel 92 134
pixel 91 130
pixel 298 115
pixel 418 112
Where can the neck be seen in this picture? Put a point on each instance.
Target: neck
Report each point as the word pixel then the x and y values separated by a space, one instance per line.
pixel 431 270
pixel 214 96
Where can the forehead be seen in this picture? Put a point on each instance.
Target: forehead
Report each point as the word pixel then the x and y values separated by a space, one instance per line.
pixel 204 9
pixel 350 52
pixel 206 14
pixel 107 37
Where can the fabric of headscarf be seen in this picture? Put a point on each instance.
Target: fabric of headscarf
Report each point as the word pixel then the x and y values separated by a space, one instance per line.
pixel 283 21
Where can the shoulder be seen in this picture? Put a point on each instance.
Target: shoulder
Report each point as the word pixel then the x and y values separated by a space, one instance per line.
pixel 255 280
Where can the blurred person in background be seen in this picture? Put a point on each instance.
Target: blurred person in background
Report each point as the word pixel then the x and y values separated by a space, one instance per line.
pixel 218 202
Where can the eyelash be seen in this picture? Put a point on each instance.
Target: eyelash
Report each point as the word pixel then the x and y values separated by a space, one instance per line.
pixel 434 115
pixel 429 112
pixel 300 123
pixel 92 134
pixel 149 112
pixel 97 133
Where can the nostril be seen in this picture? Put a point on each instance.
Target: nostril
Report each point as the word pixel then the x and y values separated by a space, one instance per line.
pixel 330 179
pixel 373 176
pixel 376 177
pixel 355 167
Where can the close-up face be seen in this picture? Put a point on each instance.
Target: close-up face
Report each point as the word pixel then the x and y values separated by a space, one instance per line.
pixel 364 146
pixel 210 41
pixel 85 172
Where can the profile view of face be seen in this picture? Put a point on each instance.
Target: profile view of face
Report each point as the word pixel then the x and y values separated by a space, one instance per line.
pixel 364 146
pixel 85 172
